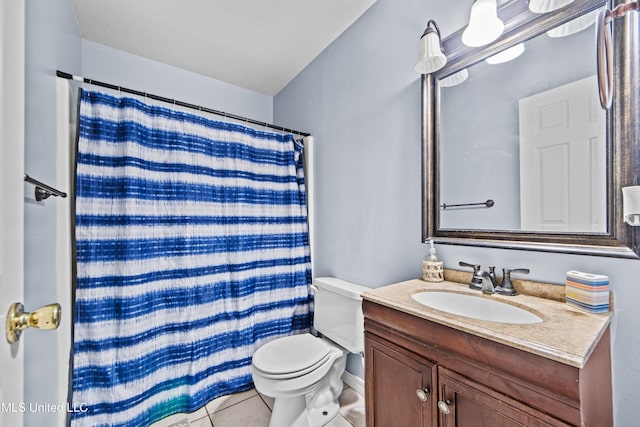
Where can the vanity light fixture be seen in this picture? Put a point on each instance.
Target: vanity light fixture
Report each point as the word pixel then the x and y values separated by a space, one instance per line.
pixel 506 55
pixel 484 24
pixel 431 57
pixel 544 6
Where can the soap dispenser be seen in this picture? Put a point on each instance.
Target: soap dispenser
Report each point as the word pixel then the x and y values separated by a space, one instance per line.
pixel 432 267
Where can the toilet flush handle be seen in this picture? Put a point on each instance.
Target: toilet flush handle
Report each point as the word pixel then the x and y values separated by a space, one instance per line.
pixel 314 289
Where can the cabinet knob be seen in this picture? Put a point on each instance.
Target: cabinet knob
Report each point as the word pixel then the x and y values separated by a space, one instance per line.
pixel 444 407
pixel 423 394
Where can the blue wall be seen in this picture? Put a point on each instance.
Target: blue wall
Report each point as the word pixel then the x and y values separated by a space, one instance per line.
pixel 53 42
pixel 361 100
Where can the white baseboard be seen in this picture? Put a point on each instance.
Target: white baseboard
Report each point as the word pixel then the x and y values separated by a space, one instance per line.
pixel 354 382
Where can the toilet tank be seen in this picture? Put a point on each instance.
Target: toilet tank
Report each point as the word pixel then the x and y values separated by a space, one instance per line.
pixel 338 312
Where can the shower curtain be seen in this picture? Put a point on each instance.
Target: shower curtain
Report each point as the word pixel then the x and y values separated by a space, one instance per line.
pixel 192 251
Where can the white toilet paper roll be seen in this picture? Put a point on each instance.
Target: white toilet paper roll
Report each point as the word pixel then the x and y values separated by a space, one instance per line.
pixel 631 205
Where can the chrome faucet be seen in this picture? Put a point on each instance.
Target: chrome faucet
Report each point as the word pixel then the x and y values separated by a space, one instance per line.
pixel 478 281
pixel 488 283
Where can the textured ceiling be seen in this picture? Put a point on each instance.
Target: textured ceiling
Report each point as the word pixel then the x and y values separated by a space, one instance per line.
pixel 260 45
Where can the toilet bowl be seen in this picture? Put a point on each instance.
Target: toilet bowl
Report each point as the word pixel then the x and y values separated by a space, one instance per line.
pixel 306 393
pixel 303 373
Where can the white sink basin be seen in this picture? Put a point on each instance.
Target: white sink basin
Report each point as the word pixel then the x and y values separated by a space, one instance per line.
pixel 476 307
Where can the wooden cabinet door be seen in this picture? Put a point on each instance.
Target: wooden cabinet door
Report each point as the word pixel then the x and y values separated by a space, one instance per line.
pixel 399 387
pixel 470 404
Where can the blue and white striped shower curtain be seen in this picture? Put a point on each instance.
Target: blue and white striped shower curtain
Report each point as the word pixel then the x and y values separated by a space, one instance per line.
pixel 192 251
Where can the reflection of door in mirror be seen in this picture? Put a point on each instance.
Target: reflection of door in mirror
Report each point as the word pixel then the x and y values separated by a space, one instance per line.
pixel 563 159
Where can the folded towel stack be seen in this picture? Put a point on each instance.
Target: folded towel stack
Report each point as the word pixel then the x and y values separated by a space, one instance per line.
pixel 590 292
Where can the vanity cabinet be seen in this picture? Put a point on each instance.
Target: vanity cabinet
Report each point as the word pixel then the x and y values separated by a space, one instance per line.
pixel 463 402
pixel 421 373
pixel 401 386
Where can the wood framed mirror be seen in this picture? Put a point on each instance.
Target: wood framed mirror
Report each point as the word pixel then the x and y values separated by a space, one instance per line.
pixel 520 154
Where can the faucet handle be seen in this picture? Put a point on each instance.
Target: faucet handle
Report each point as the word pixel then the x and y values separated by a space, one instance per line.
pixel 476 281
pixel 476 267
pixel 507 287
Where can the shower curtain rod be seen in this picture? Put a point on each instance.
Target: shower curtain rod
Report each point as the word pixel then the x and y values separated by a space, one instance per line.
pixel 68 76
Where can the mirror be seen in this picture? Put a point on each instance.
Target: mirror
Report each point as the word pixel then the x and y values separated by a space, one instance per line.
pixel 532 134
pixel 520 154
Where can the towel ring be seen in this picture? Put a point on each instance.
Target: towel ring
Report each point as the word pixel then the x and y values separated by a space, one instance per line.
pixel 604 59
pixel 604 50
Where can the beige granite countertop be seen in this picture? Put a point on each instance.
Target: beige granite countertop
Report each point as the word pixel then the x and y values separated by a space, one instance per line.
pixel 566 334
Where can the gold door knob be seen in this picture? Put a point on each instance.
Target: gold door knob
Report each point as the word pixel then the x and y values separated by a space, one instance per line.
pixel 47 317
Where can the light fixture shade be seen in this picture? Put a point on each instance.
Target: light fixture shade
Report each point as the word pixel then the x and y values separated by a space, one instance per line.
pixel 506 55
pixel 431 57
pixel 575 26
pixel 544 6
pixel 484 24
pixel 631 205
pixel 455 79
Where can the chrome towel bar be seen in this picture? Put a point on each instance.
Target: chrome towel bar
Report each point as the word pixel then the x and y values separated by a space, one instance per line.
pixel 489 203
pixel 42 190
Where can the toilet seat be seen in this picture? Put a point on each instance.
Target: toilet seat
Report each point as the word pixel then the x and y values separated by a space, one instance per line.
pixel 292 356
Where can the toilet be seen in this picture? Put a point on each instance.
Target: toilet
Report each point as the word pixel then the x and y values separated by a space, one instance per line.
pixel 303 373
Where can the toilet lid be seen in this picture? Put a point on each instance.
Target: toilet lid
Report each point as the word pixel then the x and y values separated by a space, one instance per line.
pixel 291 354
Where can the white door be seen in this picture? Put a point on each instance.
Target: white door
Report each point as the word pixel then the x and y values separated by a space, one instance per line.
pixel 563 159
pixel 11 202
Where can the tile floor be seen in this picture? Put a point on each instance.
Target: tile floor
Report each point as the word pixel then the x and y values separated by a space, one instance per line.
pixel 251 409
